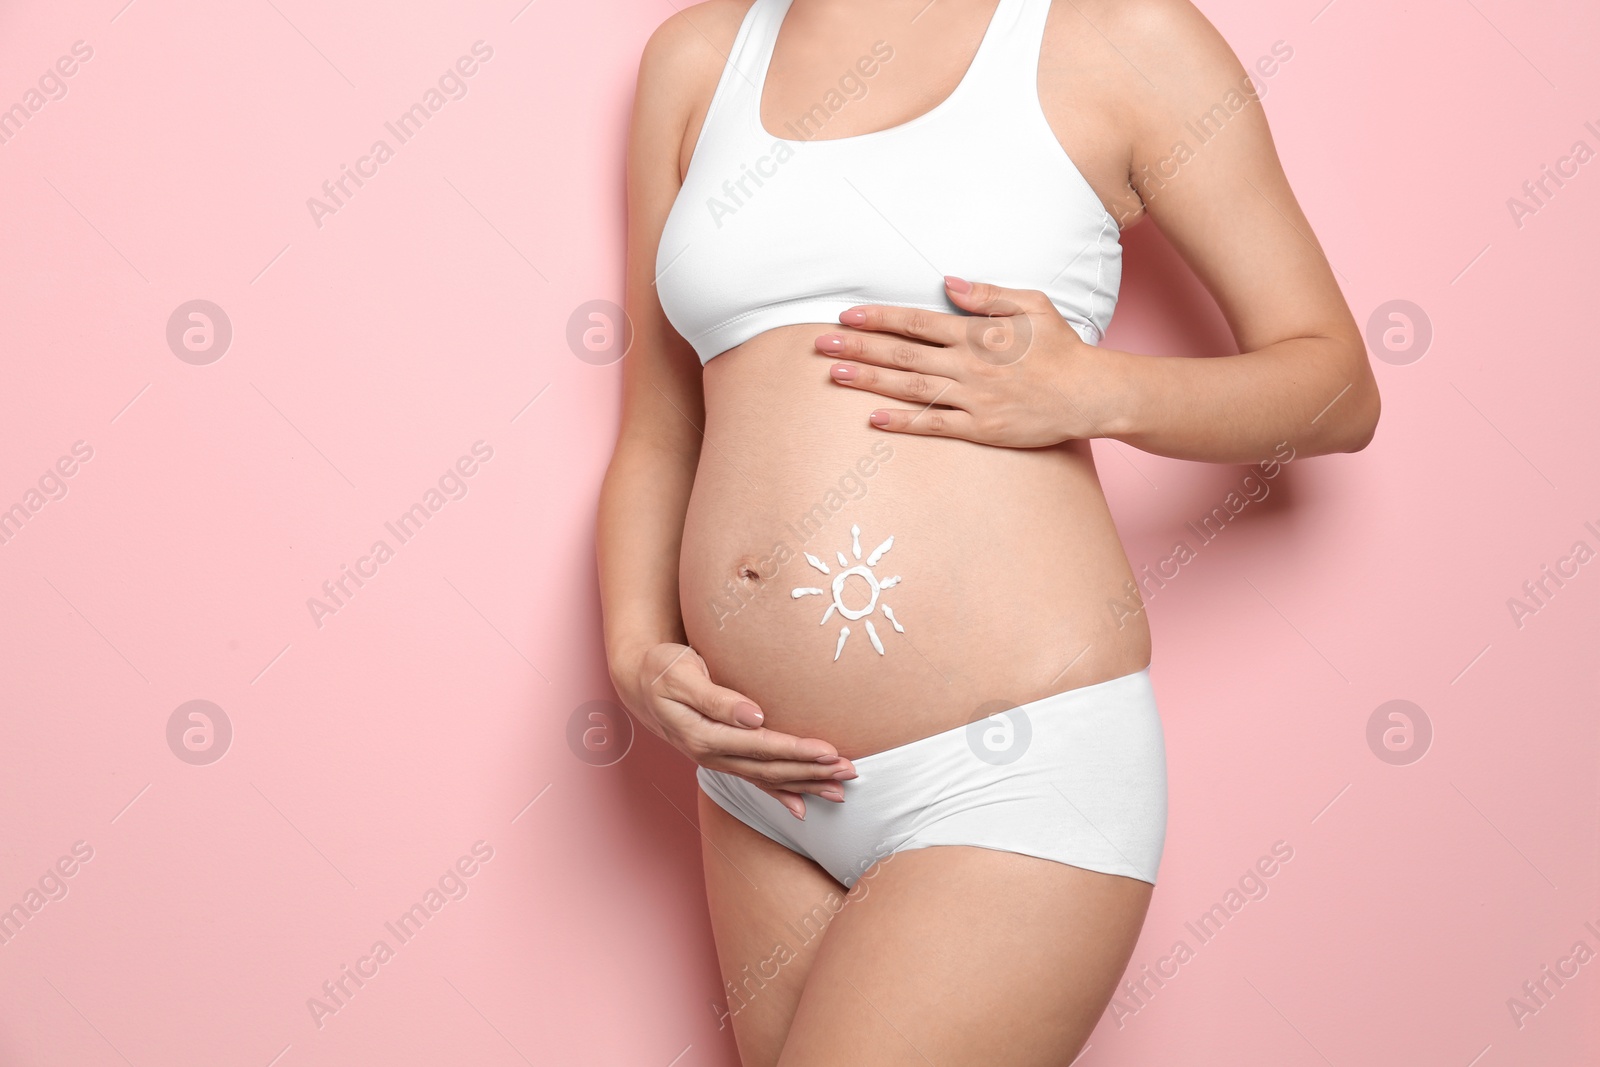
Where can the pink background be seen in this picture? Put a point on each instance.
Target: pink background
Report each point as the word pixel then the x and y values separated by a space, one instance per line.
pixel 431 710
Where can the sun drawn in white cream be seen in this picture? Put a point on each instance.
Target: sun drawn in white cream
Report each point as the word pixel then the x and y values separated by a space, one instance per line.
pixel 863 570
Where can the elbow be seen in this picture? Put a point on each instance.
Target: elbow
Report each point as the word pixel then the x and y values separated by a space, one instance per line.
pixel 1362 425
pixel 1361 404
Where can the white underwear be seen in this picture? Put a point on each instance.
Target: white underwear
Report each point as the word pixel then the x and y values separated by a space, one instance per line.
pixel 1079 777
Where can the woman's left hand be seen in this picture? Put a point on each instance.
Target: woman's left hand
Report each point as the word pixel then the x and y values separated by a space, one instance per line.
pixel 1012 373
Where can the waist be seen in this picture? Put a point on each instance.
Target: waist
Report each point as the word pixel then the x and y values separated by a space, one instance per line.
pixel 873 588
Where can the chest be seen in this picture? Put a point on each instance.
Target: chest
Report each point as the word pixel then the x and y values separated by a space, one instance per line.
pixel 877 73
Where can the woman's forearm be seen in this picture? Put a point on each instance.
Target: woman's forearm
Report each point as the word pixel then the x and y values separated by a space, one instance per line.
pixel 638 535
pixel 1317 393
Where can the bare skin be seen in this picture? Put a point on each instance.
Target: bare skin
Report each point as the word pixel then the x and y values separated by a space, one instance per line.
pixel 1031 948
pixel 949 955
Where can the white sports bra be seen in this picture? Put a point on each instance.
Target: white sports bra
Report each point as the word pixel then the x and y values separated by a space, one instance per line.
pixel 768 231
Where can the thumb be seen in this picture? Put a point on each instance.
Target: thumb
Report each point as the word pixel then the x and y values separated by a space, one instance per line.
pixel 981 298
pixel 795 802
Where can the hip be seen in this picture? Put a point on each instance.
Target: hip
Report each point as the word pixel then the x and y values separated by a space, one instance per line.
pixel 1078 778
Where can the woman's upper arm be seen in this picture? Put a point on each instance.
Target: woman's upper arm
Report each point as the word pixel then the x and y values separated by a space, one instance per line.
pixel 678 71
pixel 1223 202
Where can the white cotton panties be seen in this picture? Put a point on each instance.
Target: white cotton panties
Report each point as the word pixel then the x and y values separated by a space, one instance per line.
pixel 1078 777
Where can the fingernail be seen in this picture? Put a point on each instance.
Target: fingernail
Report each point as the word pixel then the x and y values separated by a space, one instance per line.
pixel 799 810
pixel 845 775
pixel 828 759
pixel 844 372
pixel 957 285
pixel 832 794
pixel 853 318
pixel 879 418
pixel 831 342
pixel 747 714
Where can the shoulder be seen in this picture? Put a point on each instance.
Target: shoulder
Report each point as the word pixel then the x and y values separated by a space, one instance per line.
pixel 1168 44
pixel 1157 63
pixel 1166 21
pixel 1137 58
pixel 692 42
pixel 679 70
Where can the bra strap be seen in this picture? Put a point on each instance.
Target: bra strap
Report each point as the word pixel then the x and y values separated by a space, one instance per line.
pixel 751 51
pixel 1006 62
pixel 765 18
pixel 1010 60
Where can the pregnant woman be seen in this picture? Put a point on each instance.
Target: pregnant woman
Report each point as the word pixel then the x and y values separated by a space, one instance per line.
pixel 855 559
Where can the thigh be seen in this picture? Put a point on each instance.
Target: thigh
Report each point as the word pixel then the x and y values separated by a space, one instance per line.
pixel 769 910
pixel 962 955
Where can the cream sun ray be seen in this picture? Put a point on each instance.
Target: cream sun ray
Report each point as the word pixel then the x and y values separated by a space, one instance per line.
pixel 863 570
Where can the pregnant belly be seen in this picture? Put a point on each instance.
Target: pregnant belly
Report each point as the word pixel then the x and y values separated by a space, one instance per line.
pixel 871 588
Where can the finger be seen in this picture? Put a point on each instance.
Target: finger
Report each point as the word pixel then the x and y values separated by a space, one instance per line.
pixel 793 801
pixel 826 790
pixel 760 743
pixel 910 386
pixel 929 422
pixel 687 682
pixel 939 327
pixel 894 353
pixel 776 772
pixel 981 298
pixel 701 738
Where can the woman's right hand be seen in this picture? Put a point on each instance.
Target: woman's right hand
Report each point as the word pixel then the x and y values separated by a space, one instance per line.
pixel 669 689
